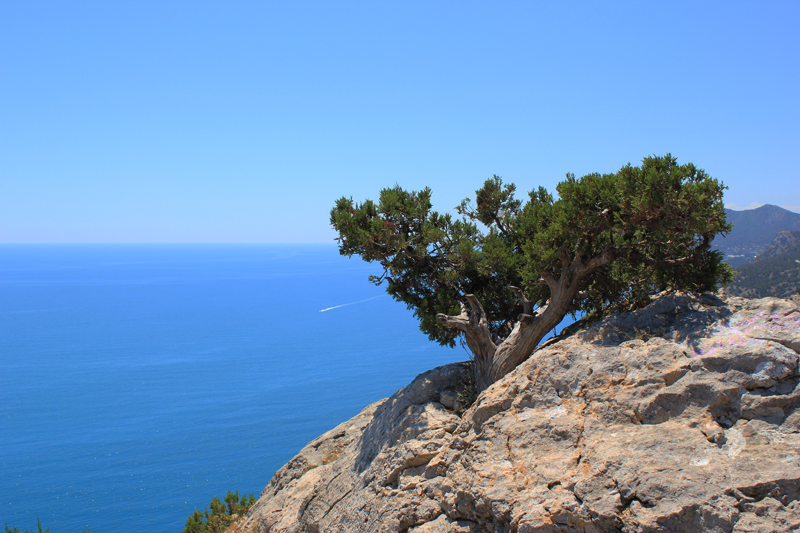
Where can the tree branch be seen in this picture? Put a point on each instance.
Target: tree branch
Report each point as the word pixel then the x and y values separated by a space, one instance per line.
pixel 477 318
pixel 563 256
pixel 460 322
pixel 599 260
pixel 475 326
pixel 551 281
pixel 702 248
pixel 527 305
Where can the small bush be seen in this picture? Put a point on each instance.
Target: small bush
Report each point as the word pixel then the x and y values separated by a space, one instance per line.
pixel 221 514
pixel 38 525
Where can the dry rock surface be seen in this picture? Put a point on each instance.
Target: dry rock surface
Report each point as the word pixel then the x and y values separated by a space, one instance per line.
pixel 680 417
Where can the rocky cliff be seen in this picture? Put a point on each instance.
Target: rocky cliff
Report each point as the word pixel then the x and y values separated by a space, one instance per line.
pixel 680 417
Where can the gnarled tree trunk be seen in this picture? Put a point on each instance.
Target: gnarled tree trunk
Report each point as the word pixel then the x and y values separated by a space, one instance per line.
pixel 493 361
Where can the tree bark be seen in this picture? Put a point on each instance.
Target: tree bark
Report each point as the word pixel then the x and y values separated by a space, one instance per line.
pixel 493 361
pixel 475 327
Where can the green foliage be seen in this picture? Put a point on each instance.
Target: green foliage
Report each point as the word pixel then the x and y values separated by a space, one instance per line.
pixel 633 233
pixel 219 515
pixel 775 276
pixel 38 525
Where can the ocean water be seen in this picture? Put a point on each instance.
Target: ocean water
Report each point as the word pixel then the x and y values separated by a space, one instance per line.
pixel 139 381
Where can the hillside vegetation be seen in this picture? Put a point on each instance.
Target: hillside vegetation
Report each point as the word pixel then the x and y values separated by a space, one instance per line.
pixel 775 272
pixel 753 231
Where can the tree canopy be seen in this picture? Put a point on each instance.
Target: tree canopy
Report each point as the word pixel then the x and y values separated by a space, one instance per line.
pixel 504 273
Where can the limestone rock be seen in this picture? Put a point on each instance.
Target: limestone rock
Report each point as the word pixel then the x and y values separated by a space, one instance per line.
pixel 680 417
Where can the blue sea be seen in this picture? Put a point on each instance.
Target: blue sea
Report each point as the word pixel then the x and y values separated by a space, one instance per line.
pixel 139 381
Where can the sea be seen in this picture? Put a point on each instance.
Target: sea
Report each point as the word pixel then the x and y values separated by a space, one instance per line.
pixel 137 382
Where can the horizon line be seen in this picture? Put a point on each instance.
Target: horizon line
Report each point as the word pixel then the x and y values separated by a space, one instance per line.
pixel 150 243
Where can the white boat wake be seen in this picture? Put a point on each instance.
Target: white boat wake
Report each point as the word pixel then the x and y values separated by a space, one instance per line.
pixel 351 303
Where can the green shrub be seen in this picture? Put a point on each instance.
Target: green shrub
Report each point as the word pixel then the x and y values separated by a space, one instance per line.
pixel 221 514
pixel 38 525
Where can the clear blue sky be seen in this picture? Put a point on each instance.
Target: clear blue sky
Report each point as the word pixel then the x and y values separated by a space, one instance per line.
pixel 235 121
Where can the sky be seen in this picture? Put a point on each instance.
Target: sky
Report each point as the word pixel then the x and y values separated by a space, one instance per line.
pixel 243 122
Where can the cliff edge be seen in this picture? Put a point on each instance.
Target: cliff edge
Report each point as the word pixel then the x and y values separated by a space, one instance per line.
pixel 680 417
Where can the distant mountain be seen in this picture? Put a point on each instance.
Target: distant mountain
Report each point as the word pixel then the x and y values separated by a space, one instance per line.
pixel 753 231
pixel 785 242
pixel 775 272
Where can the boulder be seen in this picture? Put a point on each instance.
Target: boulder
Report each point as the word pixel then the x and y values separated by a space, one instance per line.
pixel 679 417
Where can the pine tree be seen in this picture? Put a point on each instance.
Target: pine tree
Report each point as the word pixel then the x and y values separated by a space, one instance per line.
pixel 608 242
